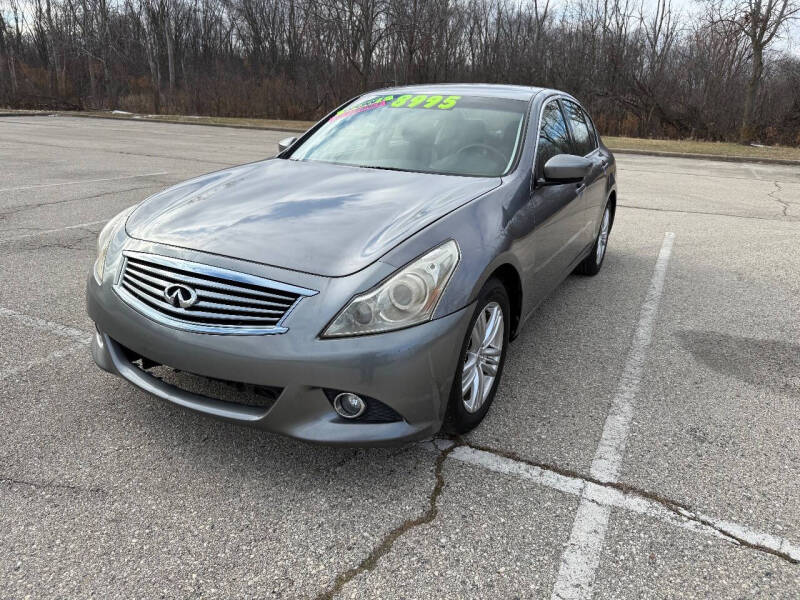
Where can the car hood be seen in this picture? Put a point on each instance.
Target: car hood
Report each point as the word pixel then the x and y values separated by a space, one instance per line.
pixel 319 218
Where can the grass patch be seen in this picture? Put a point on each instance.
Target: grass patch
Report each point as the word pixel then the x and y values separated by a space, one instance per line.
pixel 695 147
pixel 226 121
pixel 617 144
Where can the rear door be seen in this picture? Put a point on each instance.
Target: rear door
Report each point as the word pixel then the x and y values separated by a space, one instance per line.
pixel 559 210
pixel 584 140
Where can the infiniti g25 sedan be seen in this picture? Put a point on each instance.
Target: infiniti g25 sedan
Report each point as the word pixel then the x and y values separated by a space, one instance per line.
pixel 362 286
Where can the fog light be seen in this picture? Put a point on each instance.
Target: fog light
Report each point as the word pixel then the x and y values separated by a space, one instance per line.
pixel 349 405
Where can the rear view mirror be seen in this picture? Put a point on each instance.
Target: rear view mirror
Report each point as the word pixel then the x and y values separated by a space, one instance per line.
pixel 285 143
pixel 566 168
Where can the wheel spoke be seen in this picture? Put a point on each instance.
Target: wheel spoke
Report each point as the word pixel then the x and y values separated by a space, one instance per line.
pixel 480 327
pixel 602 238
pixel 480 384
pixel 489 364
pixel 476 339
pixel 489 359
pixel 471 361
pixel 492 351
pixel 475 391
pixel 493 328
pixel 467 380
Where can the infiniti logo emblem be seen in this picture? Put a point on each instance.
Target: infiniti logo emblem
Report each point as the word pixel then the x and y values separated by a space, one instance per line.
pixel 180 295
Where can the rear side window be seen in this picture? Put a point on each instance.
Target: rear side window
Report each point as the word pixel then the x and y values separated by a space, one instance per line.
pixel 582 135
pixel 592 129
pixel 553 136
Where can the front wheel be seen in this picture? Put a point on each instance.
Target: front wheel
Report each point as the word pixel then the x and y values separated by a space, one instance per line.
pixel 481 361
pixel 592 263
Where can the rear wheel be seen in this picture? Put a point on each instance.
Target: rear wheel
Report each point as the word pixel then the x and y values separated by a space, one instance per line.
pixel 591 264
pixel 481 360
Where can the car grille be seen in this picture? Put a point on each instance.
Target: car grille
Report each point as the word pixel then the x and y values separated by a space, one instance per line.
pixel 218 300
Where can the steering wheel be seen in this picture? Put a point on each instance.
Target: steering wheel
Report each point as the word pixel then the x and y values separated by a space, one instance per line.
pixel 497 155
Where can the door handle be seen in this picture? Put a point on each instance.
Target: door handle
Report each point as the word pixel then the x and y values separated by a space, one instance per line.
pixel 580 187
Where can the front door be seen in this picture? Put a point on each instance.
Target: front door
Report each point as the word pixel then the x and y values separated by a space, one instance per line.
pixel 559 210
pixel 584 142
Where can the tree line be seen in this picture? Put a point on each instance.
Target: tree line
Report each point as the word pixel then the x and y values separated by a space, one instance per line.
pixel 652 71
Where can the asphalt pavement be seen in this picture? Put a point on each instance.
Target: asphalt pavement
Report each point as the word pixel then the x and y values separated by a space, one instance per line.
pixel 644 442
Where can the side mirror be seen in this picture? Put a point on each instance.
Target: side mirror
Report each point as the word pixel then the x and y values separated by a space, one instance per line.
pixel 285 143
pixel 566 168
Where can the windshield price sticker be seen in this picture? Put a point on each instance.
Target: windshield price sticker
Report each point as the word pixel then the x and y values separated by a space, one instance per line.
pixel 404 101
pixel 425 101
pixel 361 107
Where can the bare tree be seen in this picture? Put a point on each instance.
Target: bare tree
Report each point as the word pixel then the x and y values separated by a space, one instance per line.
pixel 10 46
pixel 643 70
pixel 759 22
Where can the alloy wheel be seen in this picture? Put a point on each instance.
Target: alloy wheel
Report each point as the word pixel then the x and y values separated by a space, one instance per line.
pixel 482 360
pixel 602 239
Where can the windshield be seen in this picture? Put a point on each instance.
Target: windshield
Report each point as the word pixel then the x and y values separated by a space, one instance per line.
pixel 427 133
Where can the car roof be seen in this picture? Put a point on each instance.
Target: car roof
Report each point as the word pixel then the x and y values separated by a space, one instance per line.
pixel 513 92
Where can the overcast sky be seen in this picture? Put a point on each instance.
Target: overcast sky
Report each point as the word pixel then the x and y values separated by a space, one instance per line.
pixel 789 41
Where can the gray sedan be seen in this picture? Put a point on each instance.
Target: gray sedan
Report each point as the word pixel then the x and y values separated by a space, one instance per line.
pixel 362 286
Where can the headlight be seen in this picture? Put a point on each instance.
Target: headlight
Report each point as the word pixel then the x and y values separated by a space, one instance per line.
pixel 104 240
pixel 407 298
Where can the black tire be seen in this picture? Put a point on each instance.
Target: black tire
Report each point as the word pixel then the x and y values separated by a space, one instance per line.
pixel 592 264
pixel 458 419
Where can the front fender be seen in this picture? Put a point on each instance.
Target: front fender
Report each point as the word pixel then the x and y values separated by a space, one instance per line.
pixel 484 230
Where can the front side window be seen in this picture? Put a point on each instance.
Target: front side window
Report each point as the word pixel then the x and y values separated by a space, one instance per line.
pixel 582 136
pixel 426 133
pixel 553 136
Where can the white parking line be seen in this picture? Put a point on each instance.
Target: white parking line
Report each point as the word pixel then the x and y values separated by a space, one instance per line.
pixel 45 185
pixel 13 371
pixel 46 231
pixel 81 339
pixel 44 325
pixel 582 554
pixel 609 497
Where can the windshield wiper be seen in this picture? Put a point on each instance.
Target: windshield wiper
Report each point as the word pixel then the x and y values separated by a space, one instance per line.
pixel 387 168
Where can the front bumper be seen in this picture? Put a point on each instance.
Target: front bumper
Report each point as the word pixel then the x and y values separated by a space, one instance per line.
pixel 409 370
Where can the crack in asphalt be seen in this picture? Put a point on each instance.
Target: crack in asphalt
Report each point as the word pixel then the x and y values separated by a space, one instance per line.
pixel 51 485
pixel 19 209
pixel 90 227
pixel 386 543
pixel 123 152
pixel 77 244
pixel 32 229
pixel 705 175
pixel 673 506
pixel 701 212
pixel 783 203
